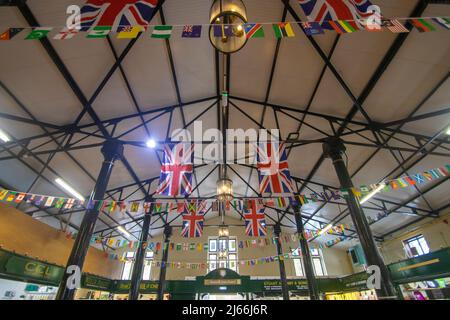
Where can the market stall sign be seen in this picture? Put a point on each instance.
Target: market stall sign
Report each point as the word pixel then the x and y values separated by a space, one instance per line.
pixel 222 282
pixel 24 267
pixel 96 283
pixel 425 267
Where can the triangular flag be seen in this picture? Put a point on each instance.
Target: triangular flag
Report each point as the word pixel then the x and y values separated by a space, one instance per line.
pixel 130 32
pixel 38 33
pixel 99 32
pixel 65 34
pixel 10 33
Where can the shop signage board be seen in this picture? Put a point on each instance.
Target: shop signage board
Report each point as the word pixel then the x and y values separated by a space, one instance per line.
pixel 354 282
pixel 426 267
pixel 25 267
pixel 96 283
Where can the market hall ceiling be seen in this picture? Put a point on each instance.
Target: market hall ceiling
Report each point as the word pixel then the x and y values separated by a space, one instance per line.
pixel 112 87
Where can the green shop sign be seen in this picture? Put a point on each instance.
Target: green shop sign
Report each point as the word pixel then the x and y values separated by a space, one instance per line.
pixel 426 267
pixel 27 268
pixel 122 287
pixel 96 283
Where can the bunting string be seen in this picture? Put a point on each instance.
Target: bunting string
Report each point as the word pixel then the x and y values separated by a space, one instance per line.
pixel 204 246
pixel 209 264
pixel 167 205
pixel 252 30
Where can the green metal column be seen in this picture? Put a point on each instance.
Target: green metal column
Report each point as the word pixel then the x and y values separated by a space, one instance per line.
pixel 306 255
pixel 138 266
pixel 333 148
pixel 111 150
pixel 162 273
pixel 284 285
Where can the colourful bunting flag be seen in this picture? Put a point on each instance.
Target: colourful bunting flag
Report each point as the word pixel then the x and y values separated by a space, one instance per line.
pixel 394 26
pixel 129 32
pixel 190 31
pixel 443 22
pixel 38 33
pixel 162 32
pixel 10 33
pixel 312 28
pixel 283 29
pixel 254 30
pixel 422 25
pixel 66 34
pixel 99 32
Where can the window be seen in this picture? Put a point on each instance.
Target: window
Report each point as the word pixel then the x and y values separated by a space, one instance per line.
pixel 222 253
pixel 128 265
pixel 317 262
pixel 298 266
pixel 147 265
pixel 416 246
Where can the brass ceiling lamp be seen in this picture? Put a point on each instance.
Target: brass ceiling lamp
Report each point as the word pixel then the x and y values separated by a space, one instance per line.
pixel 227 18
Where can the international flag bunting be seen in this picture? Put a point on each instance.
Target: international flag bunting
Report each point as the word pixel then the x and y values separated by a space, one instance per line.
pixel 99 32
pixel 255 222
pixel 394 26
pixel 283 30
pixel 193 222
pixel 38 33
pixel 254 30
pixel 129 32
pixel 159 207
pixel 66 34
pixel 370 25
pixel 191 31
pixel 422 25
pixel 223 31
pixel 10 33
pixel 343 26
pixel 162 32
pixel 324 11
pixel 443 22
pixel 312 28
pixel 273 169
pixel 115 13
pixel 176 170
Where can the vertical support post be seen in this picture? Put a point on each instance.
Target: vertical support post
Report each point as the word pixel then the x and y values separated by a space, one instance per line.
pixel 333 148
pixel 138 267
pixel 112 150
pixel 284 285
pixel 306 255
pixel 162 273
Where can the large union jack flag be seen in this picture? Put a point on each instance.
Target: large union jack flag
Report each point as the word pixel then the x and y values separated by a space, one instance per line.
pixel 255 221
pixel 176 170
pixel 193 219
pixel 325 10
pixel 273 169
pixel 117 13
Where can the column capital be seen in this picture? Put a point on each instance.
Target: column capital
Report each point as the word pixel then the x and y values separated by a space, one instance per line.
pixel 333 147
pixel 168 232
pixel 112 150
pixel 277 229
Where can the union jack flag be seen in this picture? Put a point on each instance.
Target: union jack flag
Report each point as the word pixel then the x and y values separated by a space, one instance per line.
pixel 115 13
pixel 176 170
pixel 193 220
pixel 273 169
pixel 325 10
pixel 255 221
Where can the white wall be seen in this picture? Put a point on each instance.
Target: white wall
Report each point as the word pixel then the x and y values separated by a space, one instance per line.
pixel 435 231
pixel 336 260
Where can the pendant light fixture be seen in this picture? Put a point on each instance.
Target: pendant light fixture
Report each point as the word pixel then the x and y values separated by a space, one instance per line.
pixel 227 19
